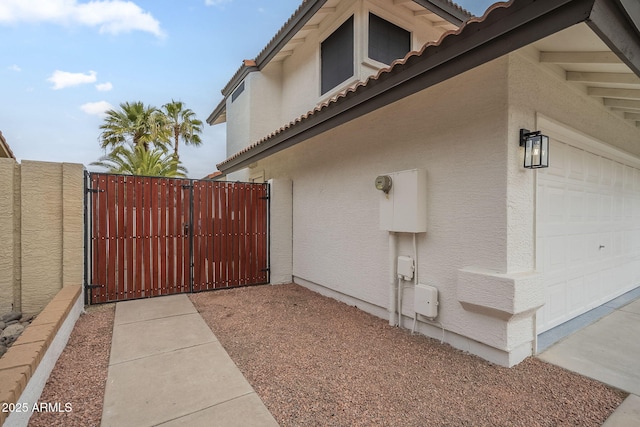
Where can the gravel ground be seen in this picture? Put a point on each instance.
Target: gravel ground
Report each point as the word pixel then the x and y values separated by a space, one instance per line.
pixel 317 362
pixel 80 375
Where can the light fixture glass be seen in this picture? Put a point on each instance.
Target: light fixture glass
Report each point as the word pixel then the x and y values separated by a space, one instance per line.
pixel 536 149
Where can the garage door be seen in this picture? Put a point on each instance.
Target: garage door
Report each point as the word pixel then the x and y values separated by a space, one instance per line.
pixel 588 227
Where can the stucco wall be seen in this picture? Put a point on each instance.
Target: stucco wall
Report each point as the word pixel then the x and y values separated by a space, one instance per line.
pixel 42 226
pixel 536 90
pixel 301 81
pixel 479 250
pixel 285 90
pixel 457 131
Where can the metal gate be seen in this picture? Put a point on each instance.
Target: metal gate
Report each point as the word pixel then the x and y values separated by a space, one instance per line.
pixel 148 237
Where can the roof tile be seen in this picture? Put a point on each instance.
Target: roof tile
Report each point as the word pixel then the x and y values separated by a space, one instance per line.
pixel 395 68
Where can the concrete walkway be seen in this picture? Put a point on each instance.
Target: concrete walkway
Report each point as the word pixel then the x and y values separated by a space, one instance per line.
pixel 608 351
pixel 167 368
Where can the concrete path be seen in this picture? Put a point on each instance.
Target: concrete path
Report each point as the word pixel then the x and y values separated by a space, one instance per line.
pixel 167 368
pixel 608 351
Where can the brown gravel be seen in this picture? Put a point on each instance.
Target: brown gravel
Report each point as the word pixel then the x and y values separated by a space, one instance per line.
pixel 80 375
pixel 317 362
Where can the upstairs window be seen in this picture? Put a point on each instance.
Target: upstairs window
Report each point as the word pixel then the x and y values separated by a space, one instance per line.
pixel 387 42
pixel 336 53
pixel 236 93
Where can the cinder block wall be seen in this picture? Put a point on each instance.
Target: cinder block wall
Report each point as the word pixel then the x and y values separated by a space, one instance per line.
pixel 41 232
pixel 9 236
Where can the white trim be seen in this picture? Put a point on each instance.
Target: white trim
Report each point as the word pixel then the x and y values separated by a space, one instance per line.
pixel 567 135
pixel 575 138
pixel 392 19
pixel 351 11
pixel 257 176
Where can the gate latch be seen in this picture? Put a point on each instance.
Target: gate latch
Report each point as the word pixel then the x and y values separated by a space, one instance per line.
pixel 186 229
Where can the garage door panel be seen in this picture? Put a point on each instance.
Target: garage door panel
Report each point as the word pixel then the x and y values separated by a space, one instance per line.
pixel 557 304
pixel 606 207
pixel 588 232
pixel 592 206
pixel 558 167
pixel 593 169
pixel 555 206
pixel 606 171
pixel 591 283
pixel 576 205
pixel 576 294
pixel 578 249
pixel 629 178
pixel 557 252
pixel 576 164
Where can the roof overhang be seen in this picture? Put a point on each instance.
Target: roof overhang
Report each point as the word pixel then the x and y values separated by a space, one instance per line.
pixel 5 150
pixel 505 28
pixel 446 9
pixel 219 114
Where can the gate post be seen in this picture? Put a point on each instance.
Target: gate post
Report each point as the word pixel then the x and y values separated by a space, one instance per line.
pixel 281 231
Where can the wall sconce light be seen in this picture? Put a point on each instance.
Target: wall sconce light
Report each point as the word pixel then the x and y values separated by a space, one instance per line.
pixel 536 149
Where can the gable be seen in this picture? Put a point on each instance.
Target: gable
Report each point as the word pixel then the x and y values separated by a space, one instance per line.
pixel 504 29
pixel 313 16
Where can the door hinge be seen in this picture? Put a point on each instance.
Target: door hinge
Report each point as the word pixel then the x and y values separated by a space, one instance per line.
pixel 94 190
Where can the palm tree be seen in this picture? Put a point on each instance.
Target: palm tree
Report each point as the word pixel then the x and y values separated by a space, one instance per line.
pixel 133 123
pixel 136 160
pixel 182 123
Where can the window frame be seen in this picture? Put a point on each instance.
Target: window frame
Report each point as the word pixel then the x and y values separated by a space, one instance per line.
pixel 384 18
pixel 354 47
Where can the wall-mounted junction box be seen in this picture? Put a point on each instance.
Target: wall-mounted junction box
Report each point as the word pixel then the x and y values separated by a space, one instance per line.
pixel 426 301
pixel 403 208
pixel 406 268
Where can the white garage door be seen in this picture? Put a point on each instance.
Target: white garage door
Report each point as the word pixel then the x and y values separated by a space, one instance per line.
pixel 588 227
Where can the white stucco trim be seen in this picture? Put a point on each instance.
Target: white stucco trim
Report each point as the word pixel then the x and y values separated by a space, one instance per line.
pixel 499 295
pixel 281 231
pixel 575 138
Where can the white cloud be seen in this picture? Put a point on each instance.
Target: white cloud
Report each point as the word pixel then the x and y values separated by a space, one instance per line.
pixel 96 108
pixel 104 87
pixel 109 16
pixel 62 79
pixel 15 68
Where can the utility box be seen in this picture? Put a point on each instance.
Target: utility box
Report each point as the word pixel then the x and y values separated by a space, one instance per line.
pixel 403 205
pixel 425 301
pixel 406 268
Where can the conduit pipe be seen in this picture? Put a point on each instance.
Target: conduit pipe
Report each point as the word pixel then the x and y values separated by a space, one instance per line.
pixel 393 255
pixel 401 286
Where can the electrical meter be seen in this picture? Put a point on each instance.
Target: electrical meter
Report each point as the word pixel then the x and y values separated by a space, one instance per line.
pixel 383 183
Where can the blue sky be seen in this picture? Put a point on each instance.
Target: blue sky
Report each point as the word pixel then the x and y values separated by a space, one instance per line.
pixel 64 62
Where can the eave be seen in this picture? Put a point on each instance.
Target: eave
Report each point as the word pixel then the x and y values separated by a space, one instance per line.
pixel 5 150
pixel 446 9
pixel 504 28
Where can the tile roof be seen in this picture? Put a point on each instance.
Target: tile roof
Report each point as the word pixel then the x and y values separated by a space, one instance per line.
pixel 396 67
pixel 504 28
pixel 303 13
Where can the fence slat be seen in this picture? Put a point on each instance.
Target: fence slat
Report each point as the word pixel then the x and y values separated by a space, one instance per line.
pixel 120 237
pixel 129 237
pixel 140 247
